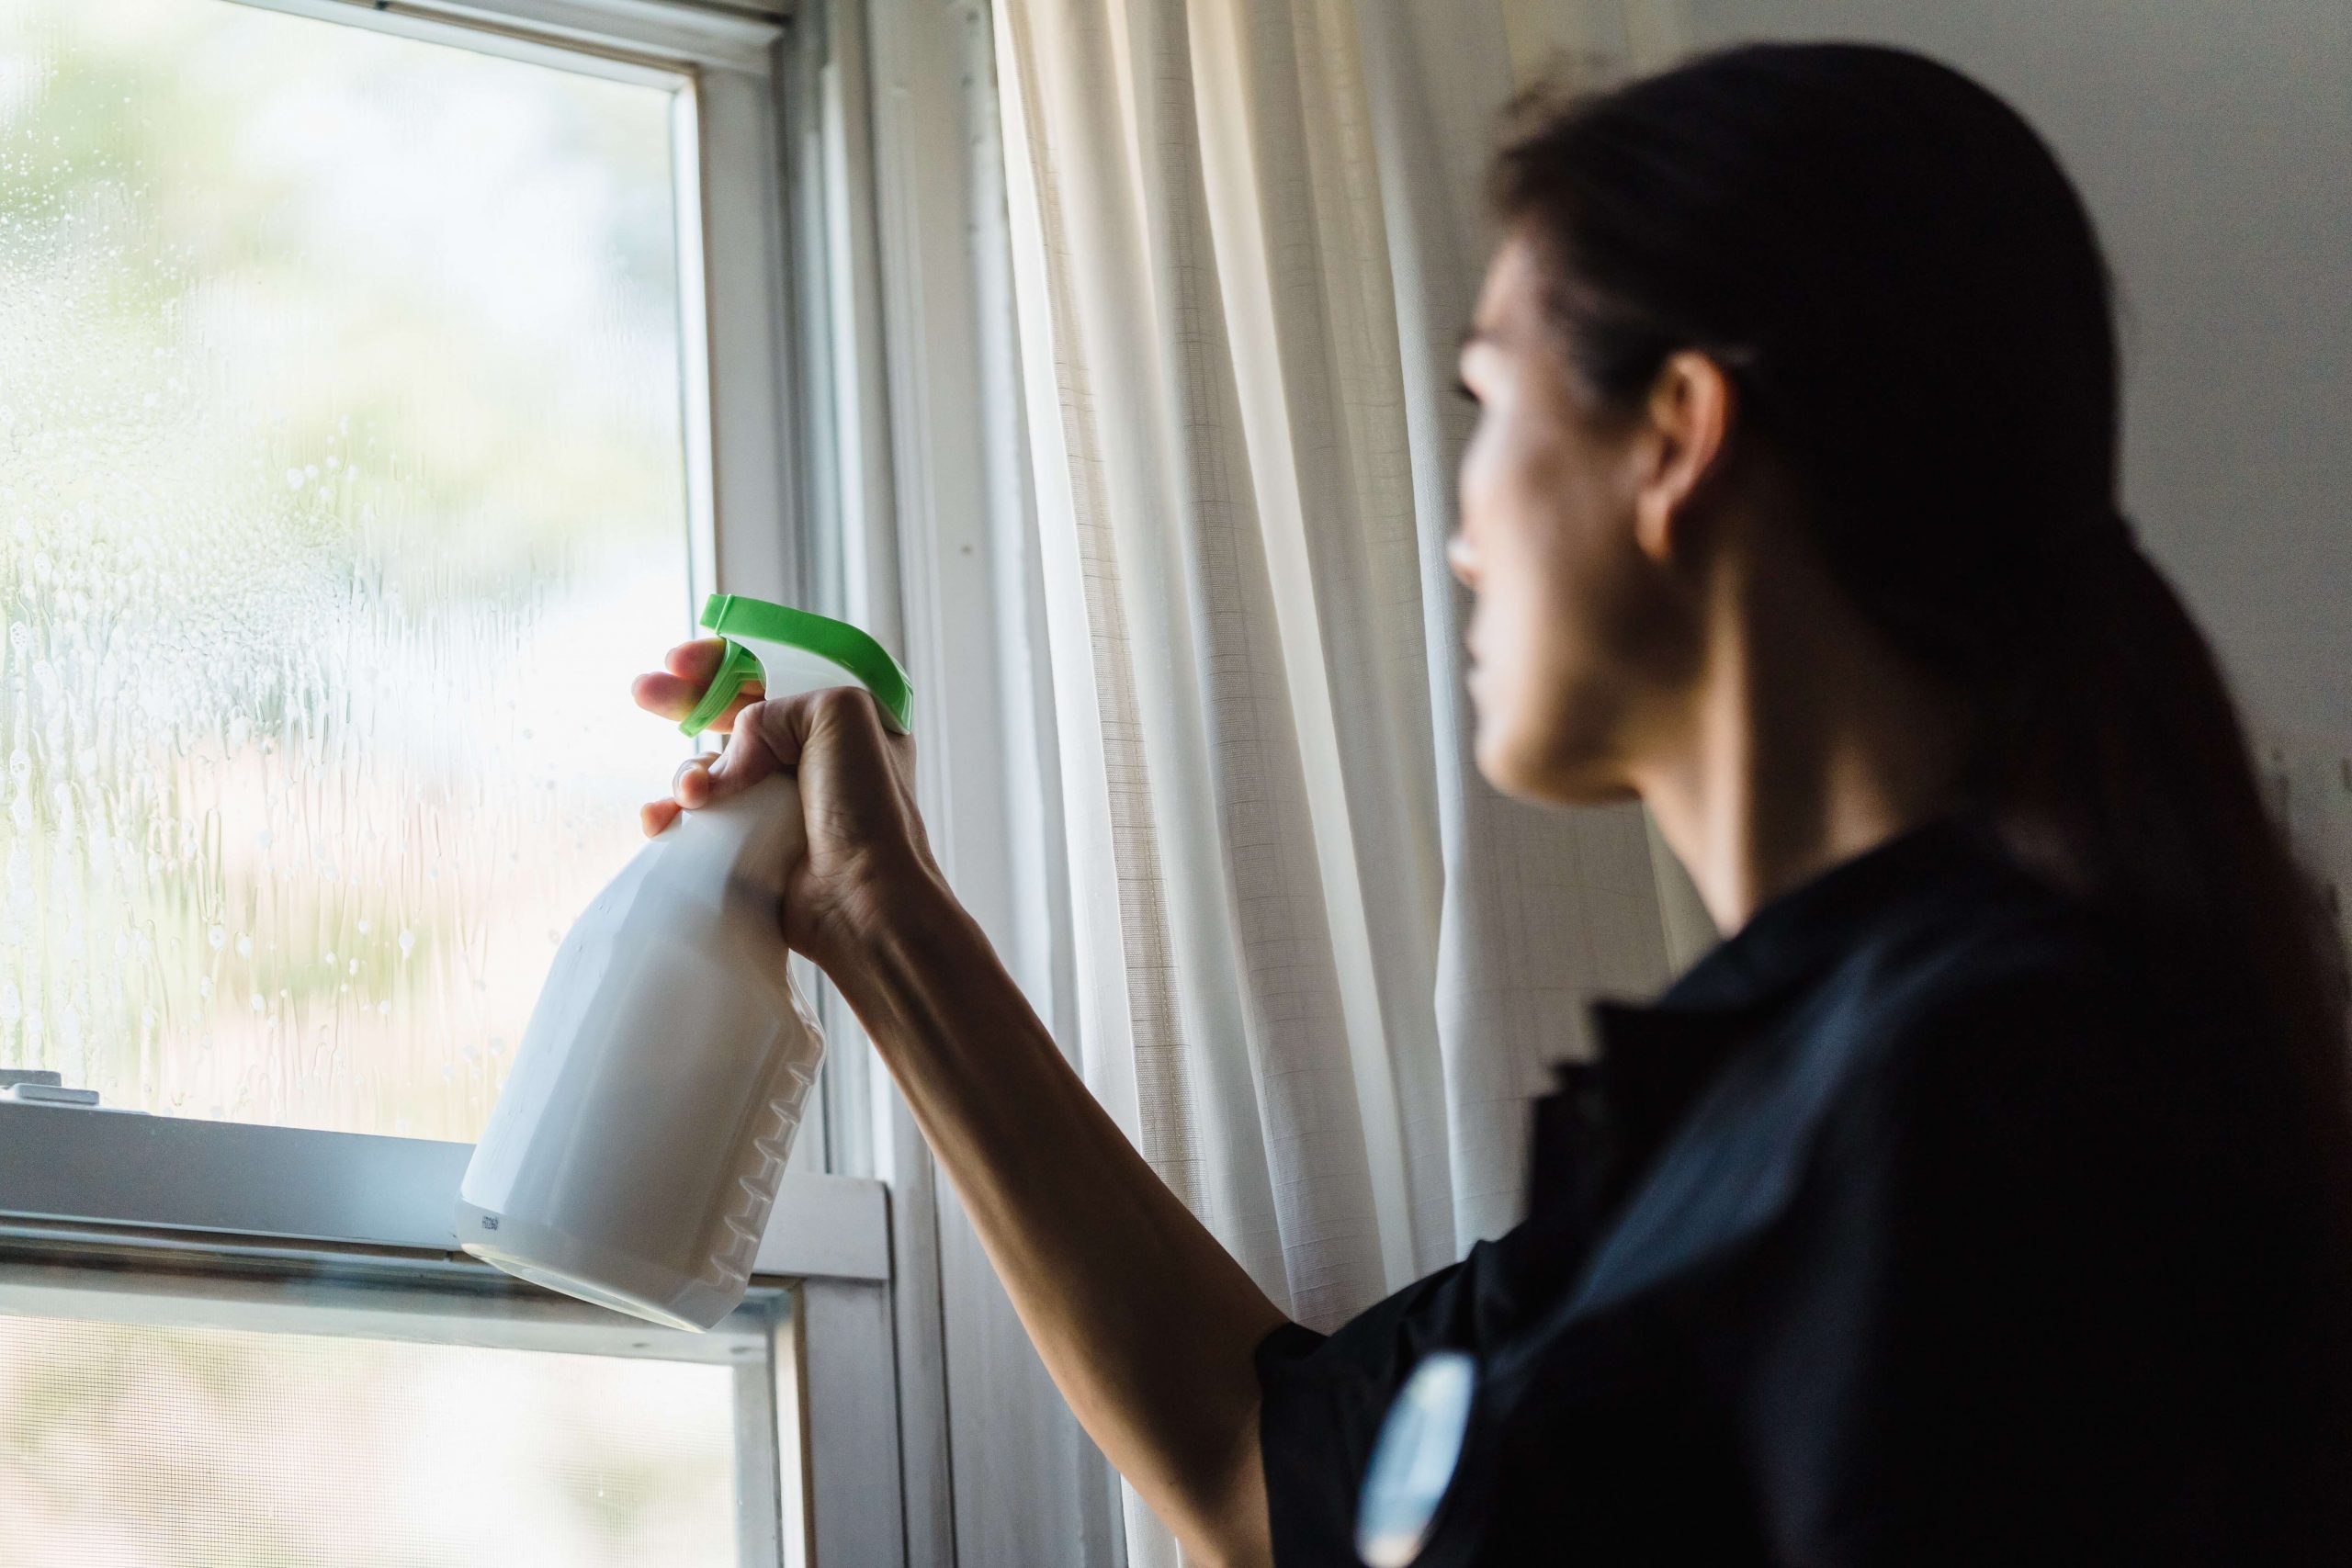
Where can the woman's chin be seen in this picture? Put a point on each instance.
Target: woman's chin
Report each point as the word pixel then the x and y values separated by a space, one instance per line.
pixel 1528 773
pixel 1539 768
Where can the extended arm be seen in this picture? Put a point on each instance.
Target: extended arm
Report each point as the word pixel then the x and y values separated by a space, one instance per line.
pixel 1147 1324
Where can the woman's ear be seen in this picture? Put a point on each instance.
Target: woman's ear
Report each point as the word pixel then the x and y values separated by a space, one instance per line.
pixel 1689 420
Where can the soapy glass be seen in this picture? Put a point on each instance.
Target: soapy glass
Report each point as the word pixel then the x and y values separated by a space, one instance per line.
pixel 342 472
pixel 137 1444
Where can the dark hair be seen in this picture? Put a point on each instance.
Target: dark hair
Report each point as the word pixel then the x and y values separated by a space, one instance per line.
pixel 1907 295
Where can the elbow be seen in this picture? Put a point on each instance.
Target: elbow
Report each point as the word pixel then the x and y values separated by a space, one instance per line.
pixel 1229 1524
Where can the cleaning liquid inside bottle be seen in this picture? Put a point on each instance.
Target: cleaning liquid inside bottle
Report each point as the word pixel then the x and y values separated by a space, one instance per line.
pixel 636 1150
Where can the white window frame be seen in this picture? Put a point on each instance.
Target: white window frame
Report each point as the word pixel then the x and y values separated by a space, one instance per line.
pixel 155 1219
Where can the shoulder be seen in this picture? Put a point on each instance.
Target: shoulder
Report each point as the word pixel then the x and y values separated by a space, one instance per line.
pixel 2040 1177
pixel 2011 1001
pixel 1954 1010
pixel 2021 1051
pixel 1958 993
pixel 2009 950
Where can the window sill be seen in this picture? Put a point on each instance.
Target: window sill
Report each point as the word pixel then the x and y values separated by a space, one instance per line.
pixel 76 1177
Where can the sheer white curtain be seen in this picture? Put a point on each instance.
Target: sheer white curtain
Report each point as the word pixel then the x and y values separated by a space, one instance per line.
pixel 1320 965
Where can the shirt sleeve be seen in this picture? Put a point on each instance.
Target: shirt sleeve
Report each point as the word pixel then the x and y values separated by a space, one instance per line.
pixel 1323 1399
pixel 2003 1325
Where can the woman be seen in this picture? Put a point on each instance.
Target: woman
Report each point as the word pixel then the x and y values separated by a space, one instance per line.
pixel 1983 1198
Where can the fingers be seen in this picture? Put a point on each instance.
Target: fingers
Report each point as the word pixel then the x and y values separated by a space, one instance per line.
pixel 673 692
pixel 664 696
pixel 773 736
pixel 768 737
pixel 690 790
pixel 698 661
pixel 749 758
pixel 690 785
pixel 669 697
pixel 843 716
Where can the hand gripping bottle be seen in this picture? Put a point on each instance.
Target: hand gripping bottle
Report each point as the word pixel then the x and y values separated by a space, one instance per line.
pixel 633 1152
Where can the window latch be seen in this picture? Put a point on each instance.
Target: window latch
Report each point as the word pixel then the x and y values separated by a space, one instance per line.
pixel 30 1086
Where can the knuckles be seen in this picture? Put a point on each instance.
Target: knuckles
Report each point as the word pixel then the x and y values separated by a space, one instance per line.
pixel 838 711
pixel 836 703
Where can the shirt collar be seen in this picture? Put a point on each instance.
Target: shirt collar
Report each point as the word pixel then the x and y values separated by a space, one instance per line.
pixel 1793 938
pixel 1656 1060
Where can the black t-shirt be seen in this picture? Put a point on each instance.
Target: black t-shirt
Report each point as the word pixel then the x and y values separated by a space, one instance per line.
pixel 1922 1223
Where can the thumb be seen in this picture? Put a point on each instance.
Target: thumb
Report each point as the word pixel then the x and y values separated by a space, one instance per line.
pixel 758 747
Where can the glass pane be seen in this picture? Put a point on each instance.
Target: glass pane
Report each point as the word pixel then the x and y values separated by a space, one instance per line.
pixel 342 488
pixel 134 1447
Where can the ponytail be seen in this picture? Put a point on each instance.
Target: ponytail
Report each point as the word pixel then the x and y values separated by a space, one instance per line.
pixel 2119 769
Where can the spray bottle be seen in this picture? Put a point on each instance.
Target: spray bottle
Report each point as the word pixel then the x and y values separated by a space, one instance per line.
pixel 633 1156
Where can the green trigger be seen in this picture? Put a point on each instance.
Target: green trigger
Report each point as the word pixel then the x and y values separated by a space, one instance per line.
pixel 736 667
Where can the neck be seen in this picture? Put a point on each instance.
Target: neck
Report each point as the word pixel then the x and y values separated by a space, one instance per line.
pixel 1805 743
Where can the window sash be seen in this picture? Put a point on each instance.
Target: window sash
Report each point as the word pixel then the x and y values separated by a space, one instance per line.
pixel 105 1214
pixel 124 1217
pixel 226 1188
pixel 367 1298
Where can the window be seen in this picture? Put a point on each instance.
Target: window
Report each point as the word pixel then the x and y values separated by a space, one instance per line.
pixel 141 1444
pixel 344 490
pixel 381 387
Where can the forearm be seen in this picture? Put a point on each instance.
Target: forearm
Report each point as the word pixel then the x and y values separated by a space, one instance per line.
pixel 1144 1322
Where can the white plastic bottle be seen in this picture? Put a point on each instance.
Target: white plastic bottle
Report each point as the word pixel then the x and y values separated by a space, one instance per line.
pixel 635 1151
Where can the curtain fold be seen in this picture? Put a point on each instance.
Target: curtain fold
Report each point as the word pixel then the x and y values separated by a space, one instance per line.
pixel 1321 965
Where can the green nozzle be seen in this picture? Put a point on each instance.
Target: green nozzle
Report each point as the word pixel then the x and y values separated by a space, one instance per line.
pixel 790 652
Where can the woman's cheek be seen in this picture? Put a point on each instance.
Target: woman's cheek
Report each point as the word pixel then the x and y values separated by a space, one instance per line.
pixel 1475 479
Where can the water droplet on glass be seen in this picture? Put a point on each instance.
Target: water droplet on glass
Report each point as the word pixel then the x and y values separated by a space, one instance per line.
pixel 232 630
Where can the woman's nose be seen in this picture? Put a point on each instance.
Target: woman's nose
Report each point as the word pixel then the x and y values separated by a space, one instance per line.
pixel 1462 560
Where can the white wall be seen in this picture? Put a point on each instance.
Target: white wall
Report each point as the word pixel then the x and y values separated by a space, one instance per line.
pixel 2214 139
